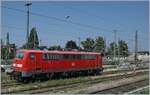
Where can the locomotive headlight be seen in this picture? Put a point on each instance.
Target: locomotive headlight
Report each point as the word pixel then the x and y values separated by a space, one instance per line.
pixel 14 65
pixel 19 65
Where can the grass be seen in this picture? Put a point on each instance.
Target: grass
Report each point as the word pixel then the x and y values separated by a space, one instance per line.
pixel 4 77
pixel 144 91
pixel 110 67
pixel 50 83
pixel 37 84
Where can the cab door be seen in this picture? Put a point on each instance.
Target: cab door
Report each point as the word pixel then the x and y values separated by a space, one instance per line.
pixel 34 62
pixel 38 66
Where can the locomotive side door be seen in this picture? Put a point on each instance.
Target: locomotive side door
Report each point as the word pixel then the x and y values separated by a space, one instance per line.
pixel 38 62
pixel 34 63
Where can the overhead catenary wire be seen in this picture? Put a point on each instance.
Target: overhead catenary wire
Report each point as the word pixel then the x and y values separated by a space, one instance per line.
pixel 81 11
pixel 53 24
pixel 20 28
pixel 38 15
pixel 12 27
pixel 58 19
pixel 85 12
pixel 128 40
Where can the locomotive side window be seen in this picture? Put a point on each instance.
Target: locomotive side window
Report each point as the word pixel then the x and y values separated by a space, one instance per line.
pixel 82 56
pixel 68 56
pixel 65 56
pixel 88 56
pixel 60 56
pixel 92 56
pixel 55 56
pixel 45 56
pixel 19 55
pixel 72 56
pixel 51 56
pixel 78 56
pixel 32 55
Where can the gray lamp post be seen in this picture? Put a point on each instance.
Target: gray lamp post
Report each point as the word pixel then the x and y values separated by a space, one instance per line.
pixel 27 35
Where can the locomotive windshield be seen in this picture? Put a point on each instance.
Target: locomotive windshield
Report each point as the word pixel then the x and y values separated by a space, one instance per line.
pixel 19 55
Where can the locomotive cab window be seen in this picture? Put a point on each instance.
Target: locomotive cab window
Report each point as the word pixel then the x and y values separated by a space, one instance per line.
pixel 32 55
pixel 19 55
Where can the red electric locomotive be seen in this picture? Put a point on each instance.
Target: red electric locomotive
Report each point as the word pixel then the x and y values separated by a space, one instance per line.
pixel 32 64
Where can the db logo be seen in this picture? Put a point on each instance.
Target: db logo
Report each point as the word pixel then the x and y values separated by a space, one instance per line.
pixel 73 64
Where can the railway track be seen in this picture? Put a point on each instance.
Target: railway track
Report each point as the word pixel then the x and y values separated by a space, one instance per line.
pixel 140 90
pixel 123 88
pixel 10 84
pixel 115 85
pixel 71 89
pixel 56 87
pixel 13 82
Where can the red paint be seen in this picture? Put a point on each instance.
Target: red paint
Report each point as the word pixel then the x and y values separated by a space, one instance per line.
pixel 56 64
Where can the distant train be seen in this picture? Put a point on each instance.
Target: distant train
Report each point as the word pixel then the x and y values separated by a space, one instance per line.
pixel 41 64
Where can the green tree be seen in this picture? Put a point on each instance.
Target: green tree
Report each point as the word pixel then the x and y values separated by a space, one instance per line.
pixel 99 44
pixel 88 44
pixel 71 45
pixel 2 43
pixel 8 51
pixel 123 48
pixel 12 50
pixel 24 46
pixel 110 50
pixel 3 52
pixel 33 41
pixel 55 47
pixel 7 39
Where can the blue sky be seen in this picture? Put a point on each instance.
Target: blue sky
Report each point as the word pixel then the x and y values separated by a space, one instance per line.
pixel 98 18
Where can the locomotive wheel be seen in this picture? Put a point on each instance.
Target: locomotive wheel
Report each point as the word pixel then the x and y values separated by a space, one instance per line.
pixel 66 75
pixel 76 74
pixel 32 79
pixel 98 72
pixel 84 73
pixel 88 72
pixel 20 79
pixel 51 76
pixel 42 79
pixel 26 80
pixel 11 77
pixel 63 75
pixel 58 75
